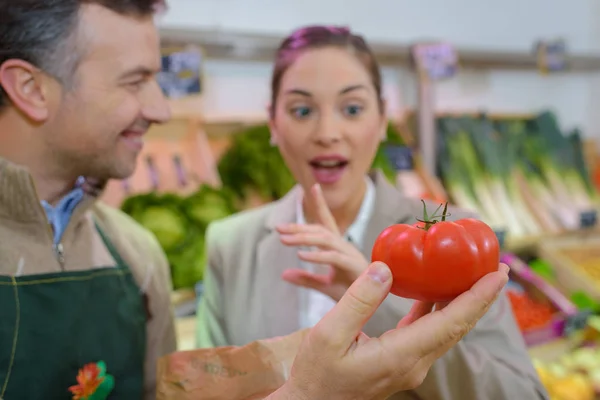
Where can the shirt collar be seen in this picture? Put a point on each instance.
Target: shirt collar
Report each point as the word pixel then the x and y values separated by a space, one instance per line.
pixel 356 230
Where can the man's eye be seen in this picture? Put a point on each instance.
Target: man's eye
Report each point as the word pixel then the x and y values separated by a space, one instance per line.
pixel 353 110
pixel 301 112
pixel 135 85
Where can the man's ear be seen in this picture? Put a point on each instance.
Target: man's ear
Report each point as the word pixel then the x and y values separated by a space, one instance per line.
pixel 26 87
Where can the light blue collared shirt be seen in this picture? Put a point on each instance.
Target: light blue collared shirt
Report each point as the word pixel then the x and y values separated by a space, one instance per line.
pixel 60 215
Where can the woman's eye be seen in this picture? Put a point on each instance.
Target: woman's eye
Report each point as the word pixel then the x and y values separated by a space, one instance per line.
pixel 301 112
pixel 353 110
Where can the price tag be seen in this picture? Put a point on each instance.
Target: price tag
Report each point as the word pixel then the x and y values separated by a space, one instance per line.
pixel 437 60
pixel 588 219
pixel 400 157
pixel 577 321
pixel 501 235
pixel 180 74
pixel 551 56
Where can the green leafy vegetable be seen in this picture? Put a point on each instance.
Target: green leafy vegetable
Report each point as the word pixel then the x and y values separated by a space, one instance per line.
pixel 179 224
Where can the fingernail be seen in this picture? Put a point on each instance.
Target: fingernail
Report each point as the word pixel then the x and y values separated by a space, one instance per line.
pixel 504 268
pixel 379 272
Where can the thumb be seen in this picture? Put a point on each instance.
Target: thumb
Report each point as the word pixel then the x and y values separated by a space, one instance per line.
pixel 346 320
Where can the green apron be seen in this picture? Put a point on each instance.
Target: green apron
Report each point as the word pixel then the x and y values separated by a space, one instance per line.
pixel 51 325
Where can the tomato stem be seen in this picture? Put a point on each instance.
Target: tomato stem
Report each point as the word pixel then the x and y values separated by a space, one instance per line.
pixel 429 221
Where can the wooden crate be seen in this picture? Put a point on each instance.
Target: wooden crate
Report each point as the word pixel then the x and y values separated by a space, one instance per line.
pixel 566 253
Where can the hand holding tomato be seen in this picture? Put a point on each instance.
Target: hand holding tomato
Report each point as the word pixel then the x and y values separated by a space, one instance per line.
pixel 346 262
pixel 436 261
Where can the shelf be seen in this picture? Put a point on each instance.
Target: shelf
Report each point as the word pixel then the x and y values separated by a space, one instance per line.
pixel 233 45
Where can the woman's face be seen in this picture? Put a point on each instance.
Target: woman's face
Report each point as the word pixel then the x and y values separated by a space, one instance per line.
pixel 327 122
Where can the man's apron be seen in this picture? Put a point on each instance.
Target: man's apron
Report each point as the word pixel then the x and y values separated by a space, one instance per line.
pixel 51 325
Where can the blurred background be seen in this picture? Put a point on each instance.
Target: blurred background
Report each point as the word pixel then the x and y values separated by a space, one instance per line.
pixel 492 105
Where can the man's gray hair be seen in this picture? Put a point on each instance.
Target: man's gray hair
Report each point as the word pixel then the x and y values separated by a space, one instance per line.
pixel 43 33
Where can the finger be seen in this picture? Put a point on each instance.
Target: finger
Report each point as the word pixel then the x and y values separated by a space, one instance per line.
pixel 418 310
pixel 502 267
pixel 320 283
pixel 325 241
pixel 439 331
pixel 323 212
pixel 300 228
pixel 341 326
pixel 334 258
pixel 306 278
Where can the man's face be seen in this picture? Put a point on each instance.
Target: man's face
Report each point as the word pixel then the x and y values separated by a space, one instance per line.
pixel 97 125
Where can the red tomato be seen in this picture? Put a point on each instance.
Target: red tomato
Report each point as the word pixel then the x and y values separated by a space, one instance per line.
pixel 437 261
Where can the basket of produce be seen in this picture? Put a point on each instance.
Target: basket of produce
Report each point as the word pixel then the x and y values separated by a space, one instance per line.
pixel 575 260
pixel 570 368
pixel 542 312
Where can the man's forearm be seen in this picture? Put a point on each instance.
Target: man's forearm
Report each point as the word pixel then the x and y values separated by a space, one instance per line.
pixel 288 392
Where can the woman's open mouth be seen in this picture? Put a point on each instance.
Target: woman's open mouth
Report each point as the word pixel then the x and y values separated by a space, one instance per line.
pixel 328 169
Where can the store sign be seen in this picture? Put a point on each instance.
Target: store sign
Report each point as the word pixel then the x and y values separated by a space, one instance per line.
pixel 181 72
pixel 588 219
pixel 401 157
pixel 437 61
pixel 551 56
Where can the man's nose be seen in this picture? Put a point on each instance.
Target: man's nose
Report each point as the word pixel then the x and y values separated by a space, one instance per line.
pixel 155 106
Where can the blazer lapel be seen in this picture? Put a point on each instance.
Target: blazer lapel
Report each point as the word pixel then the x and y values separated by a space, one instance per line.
pixel 280 313
pixel 391 207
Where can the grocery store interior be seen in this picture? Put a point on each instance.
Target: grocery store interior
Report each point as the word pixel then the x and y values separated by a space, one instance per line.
pixel 492 106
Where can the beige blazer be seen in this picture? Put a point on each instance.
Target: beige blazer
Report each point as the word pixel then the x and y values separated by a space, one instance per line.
pixel 245 299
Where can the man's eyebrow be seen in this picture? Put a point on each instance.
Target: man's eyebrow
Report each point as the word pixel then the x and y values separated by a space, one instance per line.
pixel 140 71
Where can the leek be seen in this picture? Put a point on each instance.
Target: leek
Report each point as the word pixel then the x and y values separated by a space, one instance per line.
pixel 457 184
pixel 557 162
pixel 489 146
pixel 512 134
pixel 462 150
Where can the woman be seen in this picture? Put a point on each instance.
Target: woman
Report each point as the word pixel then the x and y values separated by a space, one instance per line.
pixel 327 117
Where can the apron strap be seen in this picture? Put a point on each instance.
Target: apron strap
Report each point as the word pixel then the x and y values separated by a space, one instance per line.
pixel 122 264
pixel 110 246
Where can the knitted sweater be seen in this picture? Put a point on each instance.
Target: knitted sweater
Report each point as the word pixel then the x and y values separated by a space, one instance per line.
pixel 26 235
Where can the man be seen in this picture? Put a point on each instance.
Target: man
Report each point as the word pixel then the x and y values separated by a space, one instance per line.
pixel 81 282
pixel 82 286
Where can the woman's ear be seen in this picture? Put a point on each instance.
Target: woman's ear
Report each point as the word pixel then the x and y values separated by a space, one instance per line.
pixel 271 114
pixel 273 138
pixel 384 120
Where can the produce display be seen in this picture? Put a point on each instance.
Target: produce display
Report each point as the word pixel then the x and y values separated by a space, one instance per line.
pixel 530 314
pixel 522 176
pixel 574 264
pixel 436 260
pixel 179 224
pixel 565 384
pixel 576 373
pixel 587 259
